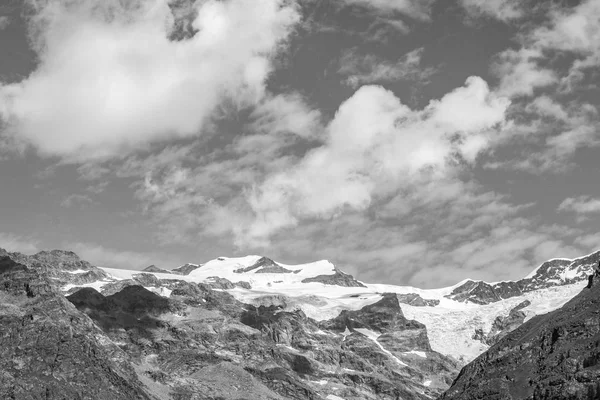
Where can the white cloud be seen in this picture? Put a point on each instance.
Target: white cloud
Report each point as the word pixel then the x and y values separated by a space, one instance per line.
pixel 17 243
pixel 520 73
pixel 286 113
pixel 110 80
pixel 374 145
pixel 580 205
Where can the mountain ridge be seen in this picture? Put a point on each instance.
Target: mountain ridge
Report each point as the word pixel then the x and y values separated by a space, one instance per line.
pixel 307 321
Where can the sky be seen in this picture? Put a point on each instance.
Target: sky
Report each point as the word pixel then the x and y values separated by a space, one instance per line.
pixel 409 142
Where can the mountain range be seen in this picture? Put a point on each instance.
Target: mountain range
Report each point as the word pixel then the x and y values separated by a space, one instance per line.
pixel 253 328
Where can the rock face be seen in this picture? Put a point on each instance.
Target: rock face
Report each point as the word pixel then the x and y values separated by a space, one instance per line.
pixel 413 299
pixel 551 356
pixel 154 268
pixel 63 267
pixel 185 269
pixel 504 325
pixel 50 350
pixel 551 273
pixel 262 263
pixel 339 278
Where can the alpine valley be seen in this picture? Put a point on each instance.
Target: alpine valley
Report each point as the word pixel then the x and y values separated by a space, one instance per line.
pixel 253 328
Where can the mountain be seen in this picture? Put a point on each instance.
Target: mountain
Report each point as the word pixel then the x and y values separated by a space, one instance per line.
pixel 308 331
pixel 154 268
pixel 557 272
pixel 551 356
pixel 50 350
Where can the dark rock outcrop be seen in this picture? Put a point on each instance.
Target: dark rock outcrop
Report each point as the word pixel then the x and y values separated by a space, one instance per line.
pixel 217 282
pixel 154 268
pixel 551 356
pixel 185 269
pixel 338 278
pixel 262 263
pixel 551 273
pixel 413 299
pixel 50 350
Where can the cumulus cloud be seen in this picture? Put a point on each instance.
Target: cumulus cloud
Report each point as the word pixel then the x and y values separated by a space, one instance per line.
pixel 374 144
pixel 580 205
pixel 520 73
pixel 110 79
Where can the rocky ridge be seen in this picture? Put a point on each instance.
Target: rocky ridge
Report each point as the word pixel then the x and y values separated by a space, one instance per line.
pixel 557 272
pixel 185 343
pixel 551 356
pixel 309 331
pixel 50 350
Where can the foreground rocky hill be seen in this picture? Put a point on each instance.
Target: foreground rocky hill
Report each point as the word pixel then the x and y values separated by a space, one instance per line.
pixel 240 328
pixel 49 350
pixel 551 356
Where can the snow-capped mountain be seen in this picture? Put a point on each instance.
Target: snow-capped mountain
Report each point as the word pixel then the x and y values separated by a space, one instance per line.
pixel 455 316
pixel 330 335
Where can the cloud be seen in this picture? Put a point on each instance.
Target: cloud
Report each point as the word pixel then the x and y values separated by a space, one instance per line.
pixel 503 10
pixel 110 79
pixel 286 113
pixel 4 22
pixel 374 145
pixel 17 243
pixel 77 200
pixel 418 9
pixel 520 73
pixel 369 69
pixel 580 205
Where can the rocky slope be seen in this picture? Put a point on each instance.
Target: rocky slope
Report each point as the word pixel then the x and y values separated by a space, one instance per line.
pixel 556 272
pixel 250 327
pixel 552 356
pixel 50 350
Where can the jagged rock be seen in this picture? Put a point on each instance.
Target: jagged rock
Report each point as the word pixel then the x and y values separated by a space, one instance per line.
pixel 154 268
pixel 64 267
pixel 551 273
pixel 262 262
pixel 50 350
pixel 338 278
pixel 147 280
pixel 216 282
pixel 243 285
pixel 504 325
pixel 278 269
pixel 185 269
pixel 551 356
pixel 382 316
pixel 416 300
